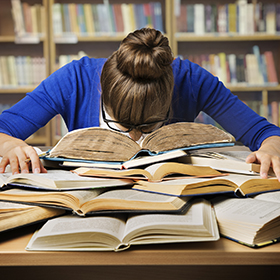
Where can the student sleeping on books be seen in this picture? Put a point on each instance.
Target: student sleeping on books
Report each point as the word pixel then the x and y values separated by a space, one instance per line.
pixel 138 89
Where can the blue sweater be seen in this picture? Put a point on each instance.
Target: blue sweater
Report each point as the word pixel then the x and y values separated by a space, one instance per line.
pixel 74 92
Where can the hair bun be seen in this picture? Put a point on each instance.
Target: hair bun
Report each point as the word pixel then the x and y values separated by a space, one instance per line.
pixel 144 54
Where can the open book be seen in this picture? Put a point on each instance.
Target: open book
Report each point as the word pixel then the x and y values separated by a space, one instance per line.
pixel 237 184
pixel 227 159
pixel 14 215
pixel 103 145
pixel 58 180
pixel 254 222
pixel 154 172
pixel 87 202
pixel 118 232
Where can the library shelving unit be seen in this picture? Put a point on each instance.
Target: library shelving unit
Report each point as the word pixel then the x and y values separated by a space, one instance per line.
pixel 65 45
pixel 22 46
pixel 59 44
pixel 200 40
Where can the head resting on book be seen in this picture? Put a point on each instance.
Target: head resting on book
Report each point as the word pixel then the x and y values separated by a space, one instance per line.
pixel 137 80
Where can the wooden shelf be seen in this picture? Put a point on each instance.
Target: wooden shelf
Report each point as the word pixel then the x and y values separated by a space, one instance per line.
pixel 185 37
pixel 102 45
pixel 253 88
pixel 16 90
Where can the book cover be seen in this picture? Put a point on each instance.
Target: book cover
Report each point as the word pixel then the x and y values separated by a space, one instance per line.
pixel 118 16
pixel 199 18
pixel 271 70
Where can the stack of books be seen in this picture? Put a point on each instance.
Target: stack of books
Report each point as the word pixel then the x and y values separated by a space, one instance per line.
pixel 117 193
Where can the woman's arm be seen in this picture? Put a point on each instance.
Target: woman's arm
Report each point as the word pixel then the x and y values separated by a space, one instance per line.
pixel 15 152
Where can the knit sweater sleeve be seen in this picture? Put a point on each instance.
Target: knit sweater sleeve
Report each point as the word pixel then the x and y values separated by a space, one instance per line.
pixel 201 91
pixel 72 91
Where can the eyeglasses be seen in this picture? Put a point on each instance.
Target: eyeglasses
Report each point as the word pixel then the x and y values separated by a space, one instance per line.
pixel 143 128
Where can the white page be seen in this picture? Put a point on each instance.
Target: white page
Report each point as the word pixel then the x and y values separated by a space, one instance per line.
pixel 248 210
pixel 69 231
pixel 269 196
pixel 189 224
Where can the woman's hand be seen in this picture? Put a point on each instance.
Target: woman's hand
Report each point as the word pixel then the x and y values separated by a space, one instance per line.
pixel 19 155
pixel 268 156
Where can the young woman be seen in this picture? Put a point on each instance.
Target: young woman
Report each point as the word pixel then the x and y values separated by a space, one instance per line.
pixel 137 90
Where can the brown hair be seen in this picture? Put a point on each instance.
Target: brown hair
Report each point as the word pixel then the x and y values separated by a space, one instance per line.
pixel 137 80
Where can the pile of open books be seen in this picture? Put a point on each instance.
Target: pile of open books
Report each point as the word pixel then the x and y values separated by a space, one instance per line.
pixel 193 191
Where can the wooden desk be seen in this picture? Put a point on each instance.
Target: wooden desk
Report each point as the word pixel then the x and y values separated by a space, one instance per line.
pixel 223 259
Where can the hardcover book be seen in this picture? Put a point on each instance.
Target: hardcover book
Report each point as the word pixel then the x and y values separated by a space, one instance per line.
pixel 119 232
pixel 98 201
pixel 103 145
pixel 254 221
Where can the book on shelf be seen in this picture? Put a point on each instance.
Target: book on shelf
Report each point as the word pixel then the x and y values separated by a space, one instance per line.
pixel 18 17
pixel 105 18
pixel 239 18
pixel 153 173
pixel 14 215
pixel 28 19
pixel 222 23
pixel 270 16
pixel 99 201
pixel 270 65
pixel 199 27
pixel 22 70
pixel 190 18
pixel 254 68
pixel 119 232
pixel 57 180
pixel 104 145
pixel 238 185
pixel 254 222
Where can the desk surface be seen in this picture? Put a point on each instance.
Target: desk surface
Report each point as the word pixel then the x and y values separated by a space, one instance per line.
pixel 222 252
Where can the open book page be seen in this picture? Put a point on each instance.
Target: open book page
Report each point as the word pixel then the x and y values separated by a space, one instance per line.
pixel 13 215
pixel 241 184
pixel 184 134
pixel 242 219
pixel 142 198
pixel 98 143
pixel 269 196
pixel 12 207
pixel 237 153
pixel 74 233
pixel 86 195
pixel 69 199
pixel 62 179
pixel 4 177
pixel 197 224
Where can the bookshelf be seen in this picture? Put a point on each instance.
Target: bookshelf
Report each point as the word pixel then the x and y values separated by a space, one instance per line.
pixel 27 48
pixel 59 44
pixel 226 34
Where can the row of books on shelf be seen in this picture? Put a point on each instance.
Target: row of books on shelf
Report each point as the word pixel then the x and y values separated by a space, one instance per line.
pixel 21 71
pixel 105 18
pixel 253 69
pixel 159 202
pixel 29 20
pixel 240 17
